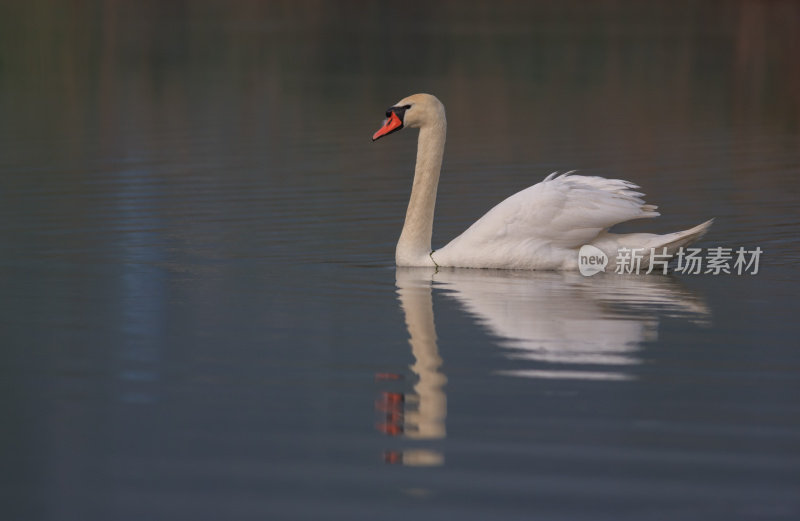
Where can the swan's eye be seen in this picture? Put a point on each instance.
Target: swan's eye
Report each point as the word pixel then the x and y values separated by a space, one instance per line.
pixel 397 110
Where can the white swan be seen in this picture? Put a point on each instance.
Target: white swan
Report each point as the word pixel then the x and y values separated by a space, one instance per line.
pixel 539 228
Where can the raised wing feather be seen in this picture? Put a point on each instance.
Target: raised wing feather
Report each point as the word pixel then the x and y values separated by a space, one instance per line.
pixel 563 211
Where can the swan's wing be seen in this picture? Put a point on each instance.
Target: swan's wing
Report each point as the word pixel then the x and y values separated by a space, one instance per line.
pixel 573 210
pixel 563 211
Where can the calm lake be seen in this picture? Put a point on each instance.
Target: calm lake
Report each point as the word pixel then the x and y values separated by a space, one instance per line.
pixel 201 315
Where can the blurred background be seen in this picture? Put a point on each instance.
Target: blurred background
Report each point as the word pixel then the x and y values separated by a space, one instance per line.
pixel 197 277
pixel 620 88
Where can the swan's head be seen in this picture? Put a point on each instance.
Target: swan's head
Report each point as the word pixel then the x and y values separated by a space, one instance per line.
pixel 417 110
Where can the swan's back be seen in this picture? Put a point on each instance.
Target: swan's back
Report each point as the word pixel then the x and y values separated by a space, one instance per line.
pixel 541 226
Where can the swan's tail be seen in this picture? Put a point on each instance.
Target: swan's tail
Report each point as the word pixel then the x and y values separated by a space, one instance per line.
pixel 649 243
pixel 674 241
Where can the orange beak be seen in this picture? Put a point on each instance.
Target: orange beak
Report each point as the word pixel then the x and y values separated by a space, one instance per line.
pixel 391 124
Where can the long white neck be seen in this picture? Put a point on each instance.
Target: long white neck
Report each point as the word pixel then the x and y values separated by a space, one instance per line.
pixel 414 246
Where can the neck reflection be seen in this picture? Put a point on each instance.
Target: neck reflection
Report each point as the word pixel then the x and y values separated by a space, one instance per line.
pixel 418 415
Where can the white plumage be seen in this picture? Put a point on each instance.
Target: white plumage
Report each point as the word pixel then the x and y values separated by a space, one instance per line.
pixel 541 227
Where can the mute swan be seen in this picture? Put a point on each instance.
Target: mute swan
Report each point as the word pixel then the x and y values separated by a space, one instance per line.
pixel 539 228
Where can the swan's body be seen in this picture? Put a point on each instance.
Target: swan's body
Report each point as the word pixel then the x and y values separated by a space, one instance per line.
pixel 540 228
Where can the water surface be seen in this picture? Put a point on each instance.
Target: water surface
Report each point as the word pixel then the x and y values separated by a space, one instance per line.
pixel 201 317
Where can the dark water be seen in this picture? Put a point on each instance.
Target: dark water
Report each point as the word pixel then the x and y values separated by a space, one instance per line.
pixel 201 317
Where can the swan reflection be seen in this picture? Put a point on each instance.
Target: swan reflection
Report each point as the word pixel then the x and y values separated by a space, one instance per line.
pixel 568 325
pixel 419 415
pixel 550 324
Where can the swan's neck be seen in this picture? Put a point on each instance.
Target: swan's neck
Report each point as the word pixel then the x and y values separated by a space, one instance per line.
pixel 414 246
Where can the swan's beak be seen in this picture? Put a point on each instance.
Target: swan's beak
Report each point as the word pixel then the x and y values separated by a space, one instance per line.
pixel 391 124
